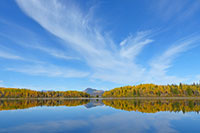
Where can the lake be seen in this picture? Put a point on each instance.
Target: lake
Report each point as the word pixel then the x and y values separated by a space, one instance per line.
pixel 100 115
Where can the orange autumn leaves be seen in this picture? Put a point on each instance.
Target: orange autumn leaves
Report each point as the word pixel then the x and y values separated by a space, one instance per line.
pixel 155 105
pixel 152 90
pixel 26 93
pixel 28 103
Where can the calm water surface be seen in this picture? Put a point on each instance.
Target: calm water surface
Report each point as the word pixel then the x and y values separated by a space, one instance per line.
pixel 140 116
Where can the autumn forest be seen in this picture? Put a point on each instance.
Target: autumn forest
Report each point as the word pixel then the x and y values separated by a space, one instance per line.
pixel 142 90
pixel 152 90
pixel 26 93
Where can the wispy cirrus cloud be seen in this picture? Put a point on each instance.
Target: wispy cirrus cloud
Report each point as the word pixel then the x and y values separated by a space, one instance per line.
pixel 132 46
pixel 55 53
pixel 29 39
pixel 9 54
pixel 39 67
pixel 108 60
pixel 49 70
pixel 95 48
pixel 161 64
pixel 179 10
pixel 163 61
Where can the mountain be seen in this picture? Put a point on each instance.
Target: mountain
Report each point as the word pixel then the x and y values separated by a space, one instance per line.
pixel 94 103
pixel 94 92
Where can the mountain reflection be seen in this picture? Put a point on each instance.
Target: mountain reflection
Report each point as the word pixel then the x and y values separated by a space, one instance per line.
pixel 140 105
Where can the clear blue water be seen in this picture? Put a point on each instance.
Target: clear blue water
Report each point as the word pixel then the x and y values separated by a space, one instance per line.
pixel 96 117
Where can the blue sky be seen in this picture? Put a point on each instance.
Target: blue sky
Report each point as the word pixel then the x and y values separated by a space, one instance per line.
pixel 74 44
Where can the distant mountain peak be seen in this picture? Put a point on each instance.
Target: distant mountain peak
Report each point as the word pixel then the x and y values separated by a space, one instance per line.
pixel 90 89
pixel 94 92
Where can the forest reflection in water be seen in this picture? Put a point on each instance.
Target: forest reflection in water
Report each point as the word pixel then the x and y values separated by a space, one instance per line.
pixel 139 105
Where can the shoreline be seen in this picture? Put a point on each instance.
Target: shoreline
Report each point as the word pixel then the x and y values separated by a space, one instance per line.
pixel 108 98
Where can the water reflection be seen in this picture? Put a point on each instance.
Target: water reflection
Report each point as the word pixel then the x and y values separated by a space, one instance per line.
pixel 155 105
pixel 28 103
pixel 100 115
pixel 140 105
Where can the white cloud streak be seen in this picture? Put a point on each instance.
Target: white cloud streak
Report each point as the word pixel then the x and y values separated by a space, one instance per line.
pixel 179 10
pixel 96 48
pixel 49 70
pixel 32 41
pixel 132 46
pixel 8 54
pixel 108 63
pixel 161 64
pixel 163 61
pixel 55 53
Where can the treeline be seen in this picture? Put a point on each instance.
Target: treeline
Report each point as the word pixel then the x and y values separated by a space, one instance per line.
pixel 153 106
pixel 145 90
pixel 23 104
pixel 26 93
